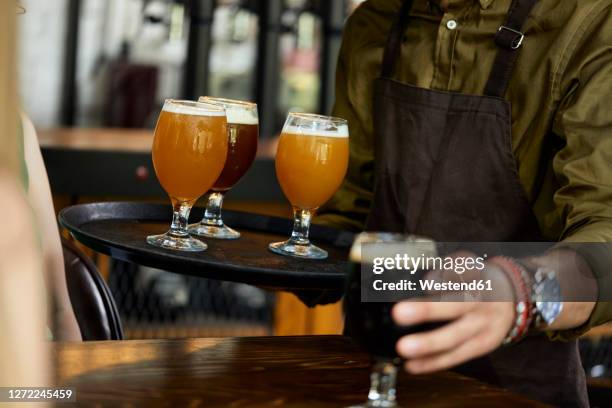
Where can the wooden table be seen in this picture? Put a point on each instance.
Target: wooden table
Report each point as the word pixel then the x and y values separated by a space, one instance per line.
pixel 104 139
pixel 320 371
pixel 118 140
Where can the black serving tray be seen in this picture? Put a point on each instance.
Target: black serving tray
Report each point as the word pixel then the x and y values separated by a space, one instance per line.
pixel 119 229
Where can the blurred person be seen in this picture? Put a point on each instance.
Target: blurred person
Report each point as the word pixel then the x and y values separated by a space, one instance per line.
pixel 23 354
pixel 23 331
pixel 62 320
pixel 487 120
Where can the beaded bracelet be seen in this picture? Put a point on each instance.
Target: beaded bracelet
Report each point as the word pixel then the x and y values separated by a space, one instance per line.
pixel 522 289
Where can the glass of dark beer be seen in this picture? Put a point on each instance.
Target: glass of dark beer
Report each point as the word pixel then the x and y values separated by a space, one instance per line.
pixel 369 322
pixel 243 131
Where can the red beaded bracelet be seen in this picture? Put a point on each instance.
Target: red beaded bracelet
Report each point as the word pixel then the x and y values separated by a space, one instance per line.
pixel 522 289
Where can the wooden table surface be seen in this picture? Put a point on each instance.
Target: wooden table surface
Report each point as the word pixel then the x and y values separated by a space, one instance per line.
pixel 107 139
pixel 309 371
pixel 117 140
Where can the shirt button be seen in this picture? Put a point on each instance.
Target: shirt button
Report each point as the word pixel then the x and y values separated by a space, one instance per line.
pixel 451 24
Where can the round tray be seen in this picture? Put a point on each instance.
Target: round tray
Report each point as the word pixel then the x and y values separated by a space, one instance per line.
pixel 119 229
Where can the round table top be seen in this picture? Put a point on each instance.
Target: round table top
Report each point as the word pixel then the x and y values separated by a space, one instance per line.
pixel 308 371
pixel 119 229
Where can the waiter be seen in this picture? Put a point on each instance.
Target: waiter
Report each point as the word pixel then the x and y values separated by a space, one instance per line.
pixel 487 120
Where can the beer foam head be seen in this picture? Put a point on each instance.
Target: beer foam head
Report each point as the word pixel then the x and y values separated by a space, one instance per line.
pixel 306 124
pixel 238 112
pixel 192 108
pixel 339 131
pixel 241 116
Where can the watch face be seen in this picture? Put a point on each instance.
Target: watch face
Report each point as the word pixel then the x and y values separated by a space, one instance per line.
pixel 548 299
pixel 549 311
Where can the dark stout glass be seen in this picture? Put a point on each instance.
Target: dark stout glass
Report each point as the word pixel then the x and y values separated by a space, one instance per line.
pixel 370 323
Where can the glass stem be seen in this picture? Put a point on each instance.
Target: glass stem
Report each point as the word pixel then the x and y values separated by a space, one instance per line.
pixel 301 226
pixel 212 215
pixel 382 384
pixel 180 216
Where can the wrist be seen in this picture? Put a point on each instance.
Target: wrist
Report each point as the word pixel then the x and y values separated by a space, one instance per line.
pixel 523 305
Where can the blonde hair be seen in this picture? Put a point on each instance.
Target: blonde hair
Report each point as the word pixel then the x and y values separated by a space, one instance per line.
pixel 9 142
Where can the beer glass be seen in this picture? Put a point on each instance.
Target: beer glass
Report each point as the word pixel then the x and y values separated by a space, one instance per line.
pixel 189 152
pixel 311 162
pixel 243 130
pixel 370 323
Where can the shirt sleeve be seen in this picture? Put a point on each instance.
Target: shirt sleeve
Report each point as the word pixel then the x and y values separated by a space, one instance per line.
pixel 349 207
pixel 584 166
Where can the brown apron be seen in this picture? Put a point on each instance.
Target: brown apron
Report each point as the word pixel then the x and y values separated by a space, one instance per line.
pixel 445 169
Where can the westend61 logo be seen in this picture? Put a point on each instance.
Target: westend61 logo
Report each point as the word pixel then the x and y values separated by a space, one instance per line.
pixel 428 263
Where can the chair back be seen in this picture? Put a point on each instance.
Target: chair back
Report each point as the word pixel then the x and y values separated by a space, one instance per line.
pixel 93 304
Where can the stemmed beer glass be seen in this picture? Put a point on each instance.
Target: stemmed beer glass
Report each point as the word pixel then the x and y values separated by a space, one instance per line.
pixel 189 152
pixel 370 323
pixel 311 162
pixel 243 131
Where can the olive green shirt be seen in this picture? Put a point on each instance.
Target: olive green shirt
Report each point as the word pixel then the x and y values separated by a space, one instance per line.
pixel 561 95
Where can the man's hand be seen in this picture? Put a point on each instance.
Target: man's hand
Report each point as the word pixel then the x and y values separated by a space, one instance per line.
pixel 474 328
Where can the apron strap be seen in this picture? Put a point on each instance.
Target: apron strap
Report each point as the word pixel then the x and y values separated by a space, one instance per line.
pixel 509 39
pixel 394 42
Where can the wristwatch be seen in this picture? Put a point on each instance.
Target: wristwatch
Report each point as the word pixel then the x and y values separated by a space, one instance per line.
pixel 546 297
pixel 539 300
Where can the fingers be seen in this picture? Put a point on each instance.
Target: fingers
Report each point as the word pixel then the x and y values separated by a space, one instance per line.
pixel 411 312
pixel 476 347
pixel 476 332
pixel 436 341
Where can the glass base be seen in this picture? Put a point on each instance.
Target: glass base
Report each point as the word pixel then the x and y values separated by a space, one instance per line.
pixel 383 381
pixel 213 231
pixel 290 248
pixel 376 404
pixel 167 241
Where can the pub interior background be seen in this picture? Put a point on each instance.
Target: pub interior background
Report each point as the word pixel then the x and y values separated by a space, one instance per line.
pixel 94 81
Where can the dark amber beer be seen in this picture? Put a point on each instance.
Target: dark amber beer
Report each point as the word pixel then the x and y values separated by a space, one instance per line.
pixel 242 148
pixel 242 135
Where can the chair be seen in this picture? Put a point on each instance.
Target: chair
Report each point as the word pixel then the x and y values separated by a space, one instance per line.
pixel 91 299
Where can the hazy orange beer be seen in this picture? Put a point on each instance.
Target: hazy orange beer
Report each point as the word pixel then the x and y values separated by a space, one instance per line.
pixel 189 152
pixel 311 167
pixel 311 162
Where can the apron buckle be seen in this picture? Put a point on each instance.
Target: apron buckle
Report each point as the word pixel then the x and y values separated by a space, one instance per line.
pixel 509 38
